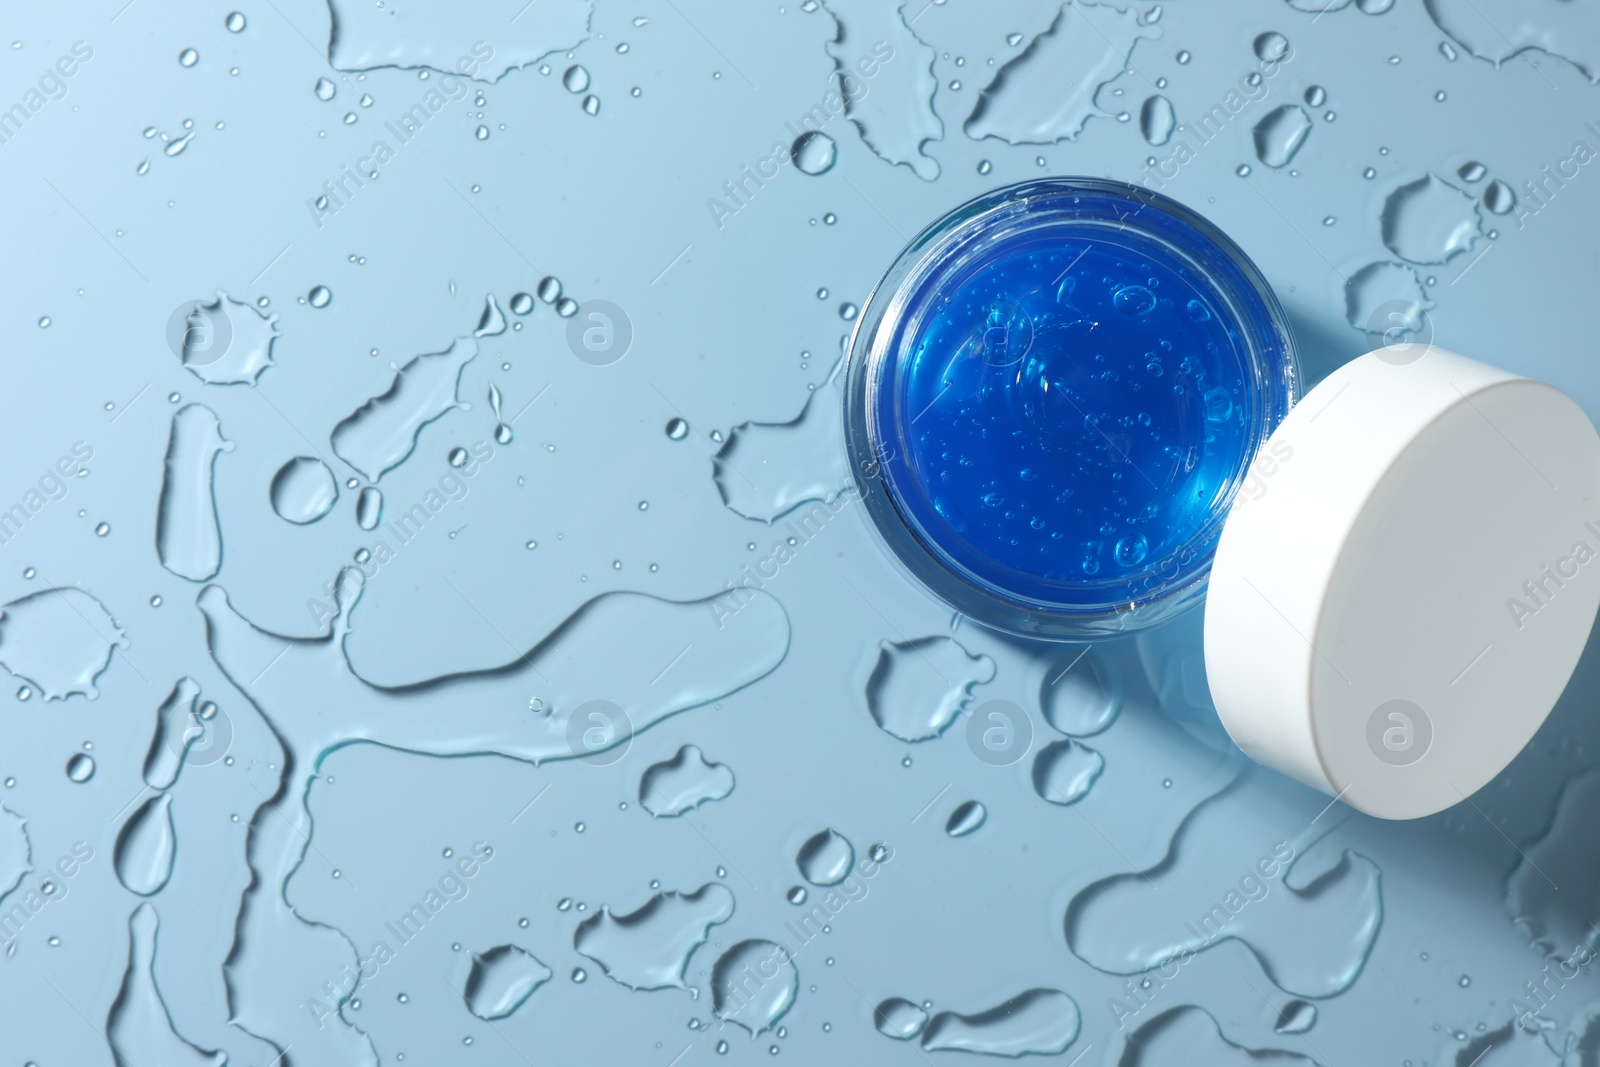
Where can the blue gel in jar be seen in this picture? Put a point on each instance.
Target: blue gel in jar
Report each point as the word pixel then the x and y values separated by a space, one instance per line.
pixel 1054 396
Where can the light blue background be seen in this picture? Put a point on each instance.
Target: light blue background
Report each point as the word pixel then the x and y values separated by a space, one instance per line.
pixel 727 329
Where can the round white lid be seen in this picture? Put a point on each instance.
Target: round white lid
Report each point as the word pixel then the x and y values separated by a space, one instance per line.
pixel 1407 579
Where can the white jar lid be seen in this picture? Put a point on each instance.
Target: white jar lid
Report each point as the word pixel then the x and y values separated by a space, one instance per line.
pixel 1407 580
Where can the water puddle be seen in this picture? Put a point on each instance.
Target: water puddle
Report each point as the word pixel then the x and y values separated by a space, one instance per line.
pixel 501 980
pixel 1225 878
pixel 1498 30
pixel 59 641
pixel 650 948
pixel 766 469
pixel 683 783
pixel 1429 221
pixel 895 115
pixel 1047 94
pixel 380 434
pixel 224 342
pixel 178 726
pixel 1039 1022
pixel 481 44
pixel 1188 1035
pixel 918 687
pixel 139 1027
pixel 188 539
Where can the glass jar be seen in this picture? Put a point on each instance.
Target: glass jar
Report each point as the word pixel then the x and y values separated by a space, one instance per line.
pixel 1053 397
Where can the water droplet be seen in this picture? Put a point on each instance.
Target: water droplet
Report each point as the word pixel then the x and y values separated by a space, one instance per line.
pixel 482 133
pixel 1499 198
pixel 1280 133
pixel 576 78
pixel 383 431
pixel 1157 120
pixel 324 89
pixel 303 490
pixel 1472 171
pixel 80 767
pixel 457 457
pixel 1037 1022
pixel 1271 47
pixel 1064 771
pixel 591 105
pixel 967 817
pixel 102 529
pixel 899 1018
pixel 1184 56
pixel 650 948
pixel 235 22
pixel 984 166
pixel 319 296
pixel 1428 221
pixel 1376 285
pixel 848 312
pixel 1242 170
pixel 1316 95
pixel 918 687
pixel 501 980
pixel 796 895
pixel 369 508
pixel 765 966
pixel 1448 50
pixel 677 429
pixel 521 303
pixel 579 974
pixel 1296 1017
pixel 58 640
pixel 145 847
pixel 825 858
pixel 549 289
pixel 683 783
pixel 1082 697
pixel 566 307
pixel 814 152
pixel 188 57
